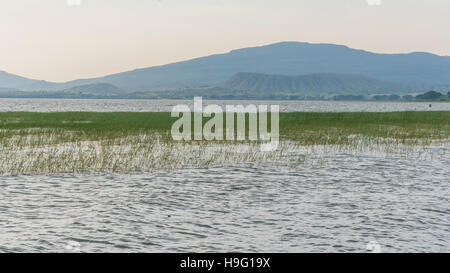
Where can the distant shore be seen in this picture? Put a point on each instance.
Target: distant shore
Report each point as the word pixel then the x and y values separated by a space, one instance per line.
pixel 223 94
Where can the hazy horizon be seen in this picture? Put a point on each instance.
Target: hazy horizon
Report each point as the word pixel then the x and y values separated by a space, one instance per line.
pixel 63 40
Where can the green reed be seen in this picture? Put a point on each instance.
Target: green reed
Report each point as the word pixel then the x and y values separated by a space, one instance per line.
pixel 72 142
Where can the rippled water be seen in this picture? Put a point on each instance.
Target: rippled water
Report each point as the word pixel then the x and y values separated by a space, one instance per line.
pixel 87 105
pixel 338 205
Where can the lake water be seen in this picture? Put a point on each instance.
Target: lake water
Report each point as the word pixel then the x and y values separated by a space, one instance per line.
pixel 341 203
pixel 64 105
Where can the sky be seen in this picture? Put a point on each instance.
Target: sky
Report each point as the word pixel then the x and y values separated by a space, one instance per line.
pixel 62 40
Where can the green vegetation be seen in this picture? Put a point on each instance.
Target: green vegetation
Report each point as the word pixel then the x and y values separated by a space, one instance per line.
pixel 336 128
pixel 323 128
pixel 433 95
pixel 33 143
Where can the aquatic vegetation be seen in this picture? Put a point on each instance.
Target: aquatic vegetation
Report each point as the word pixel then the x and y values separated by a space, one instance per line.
pixel 36 143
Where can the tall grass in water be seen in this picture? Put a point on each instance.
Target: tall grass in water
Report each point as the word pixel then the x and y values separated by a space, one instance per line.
pixel 132 142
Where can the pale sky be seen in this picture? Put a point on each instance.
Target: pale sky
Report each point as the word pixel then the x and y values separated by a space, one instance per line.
pixel 61 40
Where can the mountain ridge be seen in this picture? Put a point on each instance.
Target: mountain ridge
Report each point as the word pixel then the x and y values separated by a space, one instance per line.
pixel 285 58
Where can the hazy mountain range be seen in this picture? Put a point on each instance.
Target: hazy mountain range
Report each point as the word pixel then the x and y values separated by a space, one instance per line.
pixel 326 68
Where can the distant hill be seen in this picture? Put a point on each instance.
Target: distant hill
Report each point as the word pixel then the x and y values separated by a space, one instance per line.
pixel 13 82
pixel 10 81
pixel 313 84
pixel 8 89
pixel 286 58
pixel 96 89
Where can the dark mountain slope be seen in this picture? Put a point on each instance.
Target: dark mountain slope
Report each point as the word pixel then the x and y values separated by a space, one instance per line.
pixel 313 84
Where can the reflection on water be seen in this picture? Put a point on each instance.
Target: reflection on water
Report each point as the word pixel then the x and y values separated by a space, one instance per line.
pixel 87 105
pixel 347 203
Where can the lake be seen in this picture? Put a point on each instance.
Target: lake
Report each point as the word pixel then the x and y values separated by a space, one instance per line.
pixel 339 206
pixel 339 202
pixel 87 105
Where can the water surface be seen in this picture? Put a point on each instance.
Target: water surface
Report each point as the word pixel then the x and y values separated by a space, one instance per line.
pixel 339 205
pixel 88 105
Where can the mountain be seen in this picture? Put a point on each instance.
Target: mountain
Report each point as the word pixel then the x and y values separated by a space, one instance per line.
pixel 313 84
pixel 10 81
pixel 8 89
pixel 95 89
pixel 286 58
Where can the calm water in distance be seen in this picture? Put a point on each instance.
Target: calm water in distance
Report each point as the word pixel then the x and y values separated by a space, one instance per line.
pixel 86 105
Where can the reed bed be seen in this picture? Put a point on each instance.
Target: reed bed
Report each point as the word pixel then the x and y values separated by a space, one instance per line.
pixel 47 143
